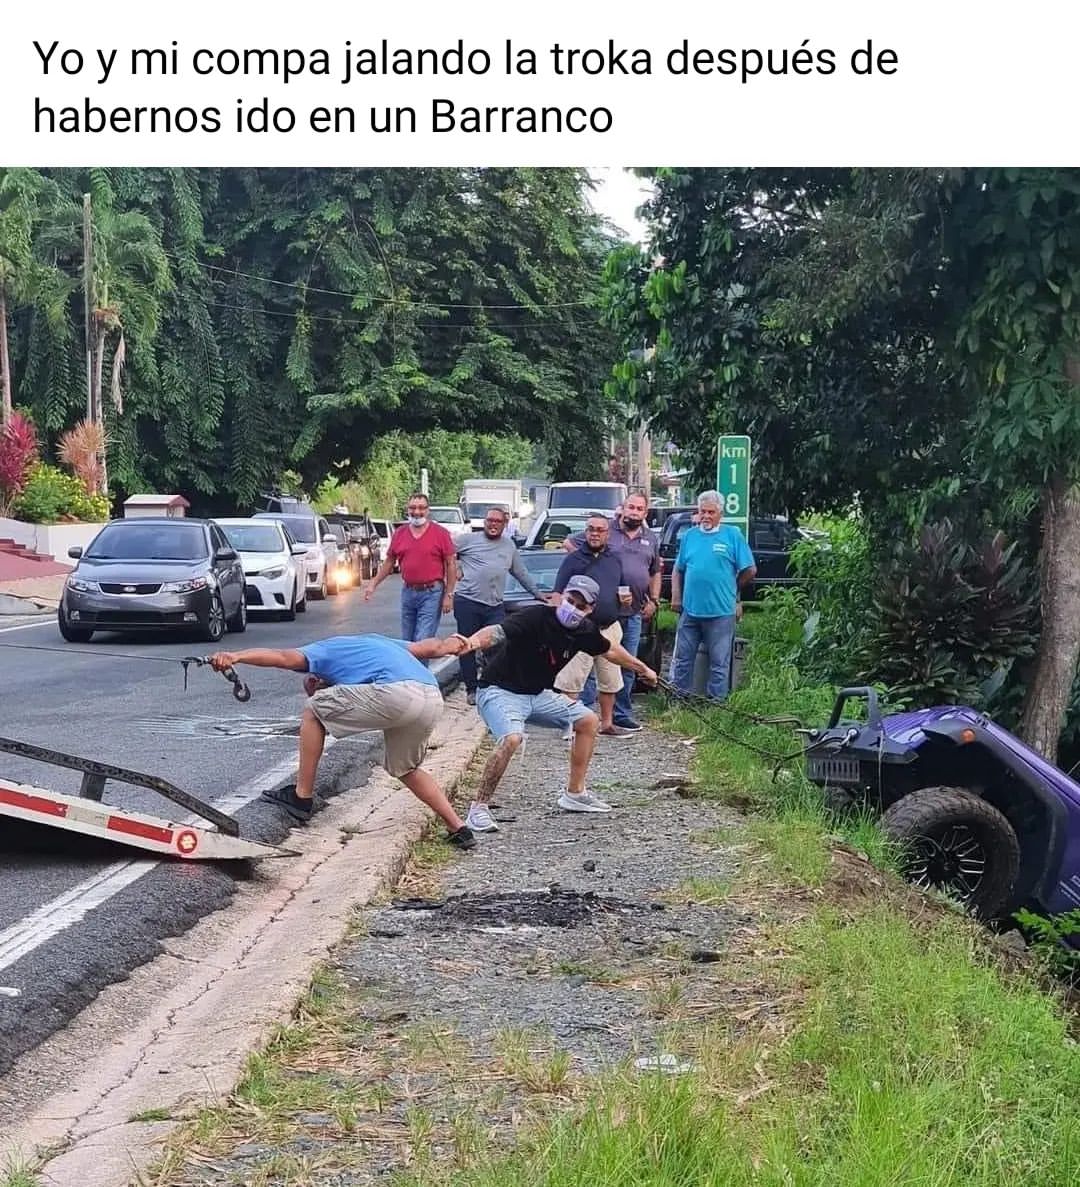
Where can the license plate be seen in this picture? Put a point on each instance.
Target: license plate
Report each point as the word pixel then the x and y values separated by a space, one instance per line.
pixel 833 770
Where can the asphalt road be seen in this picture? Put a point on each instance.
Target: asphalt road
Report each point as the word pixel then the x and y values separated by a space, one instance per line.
pixel 77 915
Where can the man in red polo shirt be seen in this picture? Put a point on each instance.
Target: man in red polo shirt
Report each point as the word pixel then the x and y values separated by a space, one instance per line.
pixel 425 551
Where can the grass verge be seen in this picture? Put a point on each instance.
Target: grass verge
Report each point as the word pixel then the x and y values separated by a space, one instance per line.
pixel 874 1041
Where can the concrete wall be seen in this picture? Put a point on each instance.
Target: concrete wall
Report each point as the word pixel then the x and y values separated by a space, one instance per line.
pixel 50 539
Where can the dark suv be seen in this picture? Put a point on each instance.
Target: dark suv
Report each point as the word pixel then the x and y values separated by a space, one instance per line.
pixel 771 540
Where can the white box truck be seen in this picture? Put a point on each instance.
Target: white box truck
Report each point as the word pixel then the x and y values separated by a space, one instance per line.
pixel 478 494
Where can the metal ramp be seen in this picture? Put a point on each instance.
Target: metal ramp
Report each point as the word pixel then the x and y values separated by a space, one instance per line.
pixel 86 814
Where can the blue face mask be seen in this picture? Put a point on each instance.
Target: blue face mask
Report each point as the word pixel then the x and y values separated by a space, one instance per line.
pixel 569 615
pixel 418 521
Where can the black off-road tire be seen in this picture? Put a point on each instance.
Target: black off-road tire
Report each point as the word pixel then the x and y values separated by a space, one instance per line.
pixel 927 816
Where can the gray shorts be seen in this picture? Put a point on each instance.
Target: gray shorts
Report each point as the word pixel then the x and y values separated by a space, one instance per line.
pixel 406 712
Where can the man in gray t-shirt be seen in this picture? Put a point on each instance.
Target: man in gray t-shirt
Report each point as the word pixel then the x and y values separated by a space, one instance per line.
pixel 484 559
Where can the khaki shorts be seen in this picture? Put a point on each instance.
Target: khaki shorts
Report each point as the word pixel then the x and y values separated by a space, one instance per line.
pixel 609 677
pixel 406 711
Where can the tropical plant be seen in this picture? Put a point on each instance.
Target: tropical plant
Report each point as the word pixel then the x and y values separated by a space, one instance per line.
pixel 18 452
pixel 82 448
pixel 950 619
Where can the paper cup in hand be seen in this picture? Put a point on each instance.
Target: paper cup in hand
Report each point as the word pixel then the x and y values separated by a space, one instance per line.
pixel 624 593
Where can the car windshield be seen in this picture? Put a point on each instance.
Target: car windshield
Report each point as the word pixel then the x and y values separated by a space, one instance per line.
pixel 599 498
pixel 382 528
pixel 479 510
pixel 445 514
pixel 543 567
pixel 301 526
pixel 555 530
pixel 253 537
pixel 149 542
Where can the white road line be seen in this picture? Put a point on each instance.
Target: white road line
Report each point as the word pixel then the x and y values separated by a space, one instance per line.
pixel 67 909
pixel 28 626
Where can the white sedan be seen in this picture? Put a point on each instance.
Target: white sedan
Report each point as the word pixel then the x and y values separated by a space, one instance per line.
pixel 451 518
pixel 273 566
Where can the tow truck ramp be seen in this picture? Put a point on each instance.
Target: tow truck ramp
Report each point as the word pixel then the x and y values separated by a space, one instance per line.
pixel 87 815
pixel 78 815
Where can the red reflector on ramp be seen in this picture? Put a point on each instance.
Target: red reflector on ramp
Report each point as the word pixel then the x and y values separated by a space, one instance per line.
pixel 136 828
pixel 31 803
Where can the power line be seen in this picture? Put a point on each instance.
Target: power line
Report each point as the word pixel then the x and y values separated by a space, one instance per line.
pixel 384 300
pixel 338 321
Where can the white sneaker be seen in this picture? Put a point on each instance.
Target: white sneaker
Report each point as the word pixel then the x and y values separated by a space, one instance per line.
pixel 480 819
pixel 583 802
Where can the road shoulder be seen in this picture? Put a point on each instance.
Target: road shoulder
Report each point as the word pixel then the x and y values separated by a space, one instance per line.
pixel 221 991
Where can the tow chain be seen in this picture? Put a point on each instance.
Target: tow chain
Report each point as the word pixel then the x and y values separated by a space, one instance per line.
pixel 695 703
pixel 240 690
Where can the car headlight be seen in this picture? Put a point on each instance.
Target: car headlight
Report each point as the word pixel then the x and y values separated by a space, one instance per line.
pixel 272 574
pixel 313 554
pixel 185 586
pixel 80 586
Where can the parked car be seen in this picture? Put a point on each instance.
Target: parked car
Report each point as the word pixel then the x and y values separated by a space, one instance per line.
pixel 154 574
pixel 658 516
pixel 553 527
pixel 273 566
pixel 771 540
pixel 384 529
pixel 976 812
pixel 543 567
pixel 451 518
pixel 365 542
pixel 321 559
pixel 347 566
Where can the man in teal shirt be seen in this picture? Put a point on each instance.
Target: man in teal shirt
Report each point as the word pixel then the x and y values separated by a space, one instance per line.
pixel 713 565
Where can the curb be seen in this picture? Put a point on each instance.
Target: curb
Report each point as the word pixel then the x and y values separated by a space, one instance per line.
pixel 189 1052
pixel 17 604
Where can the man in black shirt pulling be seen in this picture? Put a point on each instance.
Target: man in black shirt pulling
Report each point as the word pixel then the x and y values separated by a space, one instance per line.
pixel 527 652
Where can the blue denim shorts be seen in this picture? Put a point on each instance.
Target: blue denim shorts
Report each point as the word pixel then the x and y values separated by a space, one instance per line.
pixel 506 713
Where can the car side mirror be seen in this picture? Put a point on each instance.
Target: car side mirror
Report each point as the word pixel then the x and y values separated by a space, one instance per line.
pixel 225 555
pixel 299 550
pixel 75 553
pixel 329 539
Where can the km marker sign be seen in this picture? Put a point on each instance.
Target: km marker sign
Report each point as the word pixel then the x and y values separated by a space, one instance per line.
pixel 733 480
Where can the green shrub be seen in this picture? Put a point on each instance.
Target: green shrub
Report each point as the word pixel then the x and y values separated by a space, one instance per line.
pixel 950 620
pixel 50 495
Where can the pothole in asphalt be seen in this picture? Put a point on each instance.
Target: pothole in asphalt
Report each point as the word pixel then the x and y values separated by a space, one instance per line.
pixel 547 908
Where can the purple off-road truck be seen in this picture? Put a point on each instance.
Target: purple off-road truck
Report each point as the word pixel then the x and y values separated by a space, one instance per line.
pixel 981 816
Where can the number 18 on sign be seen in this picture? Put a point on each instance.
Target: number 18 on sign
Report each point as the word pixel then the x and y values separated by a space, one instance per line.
pixel 733 480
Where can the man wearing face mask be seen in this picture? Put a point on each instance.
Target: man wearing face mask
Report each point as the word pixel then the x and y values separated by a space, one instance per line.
pixel 714 564
pixel 527 652
pixel 639 596
pixel 606 568
pixel 428 562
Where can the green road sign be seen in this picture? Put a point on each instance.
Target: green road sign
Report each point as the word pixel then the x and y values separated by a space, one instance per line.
pixel 733 480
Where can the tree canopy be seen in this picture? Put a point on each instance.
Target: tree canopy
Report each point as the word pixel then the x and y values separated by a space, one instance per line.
pixel 277 319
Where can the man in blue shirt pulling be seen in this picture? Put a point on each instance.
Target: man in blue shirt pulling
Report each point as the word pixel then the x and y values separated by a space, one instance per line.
pixel 358 683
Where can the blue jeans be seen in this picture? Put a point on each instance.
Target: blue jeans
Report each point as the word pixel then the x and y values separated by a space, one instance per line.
pixel 421 610
pixel 631 640
pixel 473 616
pixel 717 635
